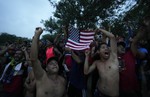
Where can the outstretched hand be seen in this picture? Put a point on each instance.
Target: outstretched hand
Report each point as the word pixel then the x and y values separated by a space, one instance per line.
pixel 38 30
pixel 24 49
pixel 11 46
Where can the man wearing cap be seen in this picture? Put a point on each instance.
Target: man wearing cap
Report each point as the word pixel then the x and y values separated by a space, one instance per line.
pixel 48 83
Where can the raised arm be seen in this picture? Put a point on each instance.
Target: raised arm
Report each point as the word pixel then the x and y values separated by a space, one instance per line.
pixel 57 38
pixel 113 43
pixel 88 69
pixel 36 64
pixel 3 51
pixel 75 57
pixel 25 52
pixel 28 62
pixel 58 53
pixel 134 47
pixel 64 29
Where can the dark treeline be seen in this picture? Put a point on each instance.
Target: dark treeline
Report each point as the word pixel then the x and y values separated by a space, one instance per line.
pixel 8 38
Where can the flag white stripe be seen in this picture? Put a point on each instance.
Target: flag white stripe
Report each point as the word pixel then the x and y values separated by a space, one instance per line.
pixel 83 48
pixel 85 44
pixel 87 37
pixel 68 44
pixel 67 54
pixel 87 33
pixel 86 41
pixel 79 44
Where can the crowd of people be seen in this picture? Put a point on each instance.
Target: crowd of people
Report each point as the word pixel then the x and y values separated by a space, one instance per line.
pixel 111 67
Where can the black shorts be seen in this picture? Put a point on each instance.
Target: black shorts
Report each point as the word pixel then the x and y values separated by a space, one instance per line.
pixel 98 93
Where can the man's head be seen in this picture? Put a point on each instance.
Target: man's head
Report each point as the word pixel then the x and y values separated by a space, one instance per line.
pixel 146 26
pixel 121 47
pixel 146 21
pixel 104 51
pixel 52 66
pixel 18 55
pixel 11 52
pixel 49 43
pixel 11 49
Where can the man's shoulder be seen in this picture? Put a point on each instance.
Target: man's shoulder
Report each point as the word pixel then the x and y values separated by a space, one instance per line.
pixel 113 56
pixel 97 62
pixel 61 78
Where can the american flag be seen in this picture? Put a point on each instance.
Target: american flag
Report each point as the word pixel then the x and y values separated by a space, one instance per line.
pixel 79 40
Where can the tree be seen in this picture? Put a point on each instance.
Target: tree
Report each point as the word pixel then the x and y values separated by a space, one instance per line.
pixel 5 37
pixel 94 13
pixel 49 37
pixel 82 13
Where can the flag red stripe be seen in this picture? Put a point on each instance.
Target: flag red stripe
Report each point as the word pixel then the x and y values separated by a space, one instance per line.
pixel 85 38
pixel 68 44
pixel 74 43
pixel 88 38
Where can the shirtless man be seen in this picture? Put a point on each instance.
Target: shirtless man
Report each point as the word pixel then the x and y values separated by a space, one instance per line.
pixel 108 68
pixel 48 83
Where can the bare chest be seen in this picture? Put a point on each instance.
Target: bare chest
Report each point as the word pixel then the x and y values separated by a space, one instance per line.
pixel 108 68
pixel 51 89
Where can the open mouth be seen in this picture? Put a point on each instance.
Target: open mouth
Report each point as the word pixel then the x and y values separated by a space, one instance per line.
pixel 106 53
pixel 54 68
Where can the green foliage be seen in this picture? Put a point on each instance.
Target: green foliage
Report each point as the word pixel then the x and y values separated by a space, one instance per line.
pixel 5 37
pixel 138 12
pixel 51 25
pixel 133 17
pixel 82 13
pixel 49 37
pixel 87 14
